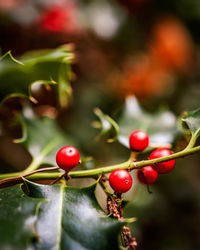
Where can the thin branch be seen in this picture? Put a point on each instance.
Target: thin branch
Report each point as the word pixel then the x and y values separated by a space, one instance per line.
pixel 95 173
pixel 16 180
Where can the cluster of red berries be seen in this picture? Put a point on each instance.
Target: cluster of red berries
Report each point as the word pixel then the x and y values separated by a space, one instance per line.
pixel 120 180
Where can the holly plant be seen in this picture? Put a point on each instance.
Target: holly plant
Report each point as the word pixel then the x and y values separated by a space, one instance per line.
pixel 39 209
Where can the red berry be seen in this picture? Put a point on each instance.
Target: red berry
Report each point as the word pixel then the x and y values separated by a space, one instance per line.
pixel 138 140
pixel 120 180
pixel 147 175
pixel 67 158
pixel 163 167
pixel 54 19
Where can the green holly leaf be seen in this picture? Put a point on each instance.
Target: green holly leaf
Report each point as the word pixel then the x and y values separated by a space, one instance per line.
pixel 160 126
pixel 190 122
pixel 17 219
pixel 46 66
pixel 42 138
pixel 71 218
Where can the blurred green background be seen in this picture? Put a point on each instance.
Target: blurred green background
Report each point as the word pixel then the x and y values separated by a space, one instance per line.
pixel 146 48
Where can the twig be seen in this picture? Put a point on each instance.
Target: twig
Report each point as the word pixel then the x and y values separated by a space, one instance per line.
pixel 93 173
pixel 16 180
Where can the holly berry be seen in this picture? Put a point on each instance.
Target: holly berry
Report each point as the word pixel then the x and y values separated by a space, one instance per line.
pixel 138 140
pixel 120 180
pixel 147 175
pixel 67 158
pixel 162 167
pixel 54 20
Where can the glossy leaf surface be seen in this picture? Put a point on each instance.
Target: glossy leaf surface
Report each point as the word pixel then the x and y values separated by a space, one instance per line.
pixel 71 218
pixel 17 219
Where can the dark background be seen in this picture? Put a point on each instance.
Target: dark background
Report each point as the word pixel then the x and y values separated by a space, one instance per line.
pixel 148 48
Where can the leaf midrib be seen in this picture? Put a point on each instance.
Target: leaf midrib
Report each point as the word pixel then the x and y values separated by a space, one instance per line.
pixel 61 215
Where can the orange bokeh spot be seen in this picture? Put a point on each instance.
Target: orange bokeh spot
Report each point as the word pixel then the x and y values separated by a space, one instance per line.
pixel 171 45
pixel 144 78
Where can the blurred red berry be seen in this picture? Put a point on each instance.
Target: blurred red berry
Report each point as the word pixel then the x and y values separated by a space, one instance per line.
pixel 59 19
pixel 53 20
